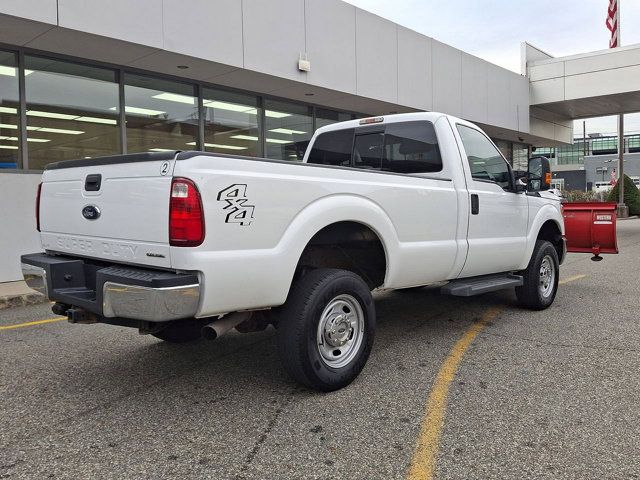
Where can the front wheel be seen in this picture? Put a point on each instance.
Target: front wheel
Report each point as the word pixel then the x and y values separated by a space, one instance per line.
pixel 326 329
pixel 540 278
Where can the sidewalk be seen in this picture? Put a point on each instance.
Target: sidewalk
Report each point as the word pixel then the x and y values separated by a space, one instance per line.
pixel 17 294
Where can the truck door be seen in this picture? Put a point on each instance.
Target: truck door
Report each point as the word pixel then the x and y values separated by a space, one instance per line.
pixel 498 219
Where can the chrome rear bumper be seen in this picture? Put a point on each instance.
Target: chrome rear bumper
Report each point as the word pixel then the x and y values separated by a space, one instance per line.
pixel 150 304
pixel 35 278
pixel 114 291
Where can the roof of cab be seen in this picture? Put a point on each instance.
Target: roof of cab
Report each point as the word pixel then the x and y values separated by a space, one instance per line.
pixel 396 117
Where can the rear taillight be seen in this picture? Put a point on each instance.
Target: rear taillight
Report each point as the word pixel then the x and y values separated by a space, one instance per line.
pixel 38 206
pixel 186 218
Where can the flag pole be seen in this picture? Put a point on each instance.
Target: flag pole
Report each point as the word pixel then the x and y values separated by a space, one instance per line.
pixel 623 211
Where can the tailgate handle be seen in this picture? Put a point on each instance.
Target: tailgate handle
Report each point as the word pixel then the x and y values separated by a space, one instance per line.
pixel 92 183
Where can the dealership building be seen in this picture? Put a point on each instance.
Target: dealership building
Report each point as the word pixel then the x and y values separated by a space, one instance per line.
pixel 87 78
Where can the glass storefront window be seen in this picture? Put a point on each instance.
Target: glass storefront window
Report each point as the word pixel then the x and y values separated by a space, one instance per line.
pixel 288 129
pixel 327 117
pixel 520 157
pixel 72 111
pixel 231 123
pixel 505 148
pixel 161 114
pixel 9 111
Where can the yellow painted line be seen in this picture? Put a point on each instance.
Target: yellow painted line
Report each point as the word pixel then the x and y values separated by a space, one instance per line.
pixel 424 458
pixel 29 324
pixel 571 279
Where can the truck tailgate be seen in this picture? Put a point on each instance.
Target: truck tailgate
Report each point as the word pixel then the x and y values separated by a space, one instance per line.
pixel 113 211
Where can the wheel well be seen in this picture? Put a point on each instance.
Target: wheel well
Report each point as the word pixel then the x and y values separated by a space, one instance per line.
pixel 551 232
pixel 347 245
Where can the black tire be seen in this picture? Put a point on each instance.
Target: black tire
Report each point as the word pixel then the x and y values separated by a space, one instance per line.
pixel 298 328
pixel 181 331
pixel 530 294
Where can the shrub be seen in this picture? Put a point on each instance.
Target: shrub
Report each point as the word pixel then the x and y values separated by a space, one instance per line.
pixel 631 196
pixel 582 196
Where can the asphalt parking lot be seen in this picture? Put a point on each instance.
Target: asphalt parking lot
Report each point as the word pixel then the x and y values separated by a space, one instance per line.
pixel 551 394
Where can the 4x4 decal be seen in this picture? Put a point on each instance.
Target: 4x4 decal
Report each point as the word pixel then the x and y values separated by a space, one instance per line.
pixel 236 206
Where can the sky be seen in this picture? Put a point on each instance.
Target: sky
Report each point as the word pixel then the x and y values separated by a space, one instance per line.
pixel 494 29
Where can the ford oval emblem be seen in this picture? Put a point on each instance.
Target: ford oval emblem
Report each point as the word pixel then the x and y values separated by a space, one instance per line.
pixel 91 212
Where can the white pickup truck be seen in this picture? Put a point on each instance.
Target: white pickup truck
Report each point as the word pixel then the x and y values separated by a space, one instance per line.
pixel 183 245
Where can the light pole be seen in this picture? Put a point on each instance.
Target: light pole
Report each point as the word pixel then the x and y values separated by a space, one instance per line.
pixel 623 210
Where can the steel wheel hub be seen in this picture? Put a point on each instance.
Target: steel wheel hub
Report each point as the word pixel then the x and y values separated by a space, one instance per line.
pixel 340 331
pixel 547 276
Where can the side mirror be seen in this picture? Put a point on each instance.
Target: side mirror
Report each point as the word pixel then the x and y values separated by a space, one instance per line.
pixel 539 174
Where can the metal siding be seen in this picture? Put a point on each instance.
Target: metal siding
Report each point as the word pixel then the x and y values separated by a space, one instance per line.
pixel 331 44
pixel 415 84
pixel 376 57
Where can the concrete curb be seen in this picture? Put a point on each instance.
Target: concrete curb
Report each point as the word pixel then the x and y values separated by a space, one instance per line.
pixel 18 294
pixel 22 300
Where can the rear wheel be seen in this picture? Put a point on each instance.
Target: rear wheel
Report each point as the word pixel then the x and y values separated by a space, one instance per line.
pixel 181 331
pixel 540 278
pixel 326 329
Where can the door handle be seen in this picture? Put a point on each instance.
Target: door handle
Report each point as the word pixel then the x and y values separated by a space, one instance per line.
pixel 475 204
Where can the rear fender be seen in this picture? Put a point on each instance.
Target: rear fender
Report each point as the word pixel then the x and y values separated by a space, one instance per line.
pixel 333 209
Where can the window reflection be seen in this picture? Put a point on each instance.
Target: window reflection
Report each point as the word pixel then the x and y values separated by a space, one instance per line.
pixel 327 117
pixel 520 157
pixel 288 129
pixel 161 115
pixel 72 111
pixel 9 109
pixel 231 123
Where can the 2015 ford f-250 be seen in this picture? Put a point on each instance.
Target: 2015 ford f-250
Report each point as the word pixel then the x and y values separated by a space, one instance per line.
pixel 186 244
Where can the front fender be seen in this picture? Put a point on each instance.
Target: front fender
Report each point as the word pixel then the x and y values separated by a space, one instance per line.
pixel 546 213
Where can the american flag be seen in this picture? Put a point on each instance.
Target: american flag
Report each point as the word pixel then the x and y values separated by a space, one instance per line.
pixel 613 22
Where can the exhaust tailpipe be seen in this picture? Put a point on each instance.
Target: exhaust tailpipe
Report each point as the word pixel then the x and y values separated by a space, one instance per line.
pixel 213 330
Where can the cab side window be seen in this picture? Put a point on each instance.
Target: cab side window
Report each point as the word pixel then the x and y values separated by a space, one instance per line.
pixel 485 160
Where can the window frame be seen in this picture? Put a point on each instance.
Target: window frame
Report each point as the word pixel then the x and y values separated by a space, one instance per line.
pixel 511 187
pixel 120 71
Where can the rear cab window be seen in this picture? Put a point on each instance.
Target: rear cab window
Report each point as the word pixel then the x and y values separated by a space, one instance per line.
pixel 332 148
pixel 411 147
pixel 402 147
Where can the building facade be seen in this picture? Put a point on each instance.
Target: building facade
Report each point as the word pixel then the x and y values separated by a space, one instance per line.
pixel 87 78
pixel 590 163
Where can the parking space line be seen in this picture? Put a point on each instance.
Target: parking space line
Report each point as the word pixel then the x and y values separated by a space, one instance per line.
pixel 29 324
pixel 571 279
pixel 424 458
